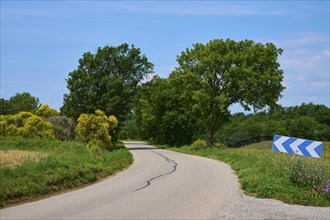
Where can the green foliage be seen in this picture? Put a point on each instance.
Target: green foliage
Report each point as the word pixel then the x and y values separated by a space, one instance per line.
pixel 200 144
pixel 267 174
pixel 221 73
pixel 219 146
pixel 25 124
pixel 193 101
pixel 106 80
pixel 45 111
pixel 94 129
pixel 19 103
pixel 160 114
pixel 65 165
pixel 64 127
pixel 292 121
pixel 5 107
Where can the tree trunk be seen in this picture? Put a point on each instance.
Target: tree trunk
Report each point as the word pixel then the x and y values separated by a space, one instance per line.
pixel 209 136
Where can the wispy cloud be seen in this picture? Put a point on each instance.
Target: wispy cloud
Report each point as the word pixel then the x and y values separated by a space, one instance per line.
pixel 194 8
pixel 305 62
pixel 303 39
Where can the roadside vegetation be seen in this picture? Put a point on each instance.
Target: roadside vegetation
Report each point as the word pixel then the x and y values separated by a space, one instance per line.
pixel 112 95
pixel 32 168
pixel 267 174
pixel 43 153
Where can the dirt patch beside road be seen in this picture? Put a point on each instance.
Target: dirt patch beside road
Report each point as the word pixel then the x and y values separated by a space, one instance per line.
pixel 14 158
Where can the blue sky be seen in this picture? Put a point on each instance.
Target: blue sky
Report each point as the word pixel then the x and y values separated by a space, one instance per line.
pixel 42 41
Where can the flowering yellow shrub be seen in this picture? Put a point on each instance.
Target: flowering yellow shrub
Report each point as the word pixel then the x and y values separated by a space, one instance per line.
pixel 25 124
pixel 95 128
pixel 113 122
pixel 36 127
pixel 200 143
pixel 45 111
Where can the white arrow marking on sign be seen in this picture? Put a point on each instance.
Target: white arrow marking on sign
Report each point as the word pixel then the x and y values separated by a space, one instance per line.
pixel 295 145
pixel 278 143
pixel 311 149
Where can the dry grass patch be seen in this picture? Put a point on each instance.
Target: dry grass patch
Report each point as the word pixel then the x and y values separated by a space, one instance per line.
pixel 14 158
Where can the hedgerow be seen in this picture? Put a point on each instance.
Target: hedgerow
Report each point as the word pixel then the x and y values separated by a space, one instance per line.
pixel 25 124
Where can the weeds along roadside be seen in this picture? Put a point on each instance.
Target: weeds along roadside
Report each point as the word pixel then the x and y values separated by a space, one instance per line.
pixel 264 173
pixel 62 165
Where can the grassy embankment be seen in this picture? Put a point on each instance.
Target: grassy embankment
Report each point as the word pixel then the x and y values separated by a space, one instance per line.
pixel 32 168
pixel 267 174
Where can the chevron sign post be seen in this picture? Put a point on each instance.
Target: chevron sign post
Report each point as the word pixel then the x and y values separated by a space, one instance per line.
pixel 297 146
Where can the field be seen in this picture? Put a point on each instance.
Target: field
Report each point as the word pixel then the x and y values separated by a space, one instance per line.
pixel 32 168
pixel 264 173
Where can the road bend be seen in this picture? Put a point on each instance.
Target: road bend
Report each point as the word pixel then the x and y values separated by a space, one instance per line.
pixel 163 184
pixel 160 184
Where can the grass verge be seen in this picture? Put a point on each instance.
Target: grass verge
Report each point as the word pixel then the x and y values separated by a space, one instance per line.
pixel 66 165
pixel 267 174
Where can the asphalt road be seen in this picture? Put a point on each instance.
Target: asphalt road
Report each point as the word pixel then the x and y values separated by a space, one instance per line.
pixel 162 185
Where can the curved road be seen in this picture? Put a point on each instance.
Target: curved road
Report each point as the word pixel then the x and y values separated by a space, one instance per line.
pixel 162 185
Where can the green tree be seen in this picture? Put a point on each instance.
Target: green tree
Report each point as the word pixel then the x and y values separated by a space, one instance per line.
pixel 221 73
pixel 107 80
pixel 161 116
pixel 19 103
pixel 4 107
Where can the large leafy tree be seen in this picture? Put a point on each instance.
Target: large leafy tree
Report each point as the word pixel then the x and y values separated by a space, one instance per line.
pixel 161 116
pixel 18 103
pixel 223 72
pixel 106 80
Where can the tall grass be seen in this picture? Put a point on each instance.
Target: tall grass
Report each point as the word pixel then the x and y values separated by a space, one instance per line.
pixel 67 165
pixel 267 174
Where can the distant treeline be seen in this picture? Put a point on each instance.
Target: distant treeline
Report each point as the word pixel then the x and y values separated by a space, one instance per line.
pixel 308 121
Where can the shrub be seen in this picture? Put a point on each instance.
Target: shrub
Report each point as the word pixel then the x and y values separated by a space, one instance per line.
pixel 25 124
pixel 200 144
pixel 36 127
pixel 95 128
pixel 94 146
pixel 45 111
pixel 64 127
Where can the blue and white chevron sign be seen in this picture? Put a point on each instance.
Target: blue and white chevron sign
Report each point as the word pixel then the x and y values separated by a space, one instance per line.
pixel 298 146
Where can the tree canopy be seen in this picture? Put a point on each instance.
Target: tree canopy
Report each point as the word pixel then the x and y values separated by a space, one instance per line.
pixel 223 72
pixel 18 103
pixel 106 80
pixel 161 116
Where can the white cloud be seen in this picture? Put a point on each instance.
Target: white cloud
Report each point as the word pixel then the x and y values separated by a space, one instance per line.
pixel 326 52
pixel 194 8
pixel 305 62
pixel 303 39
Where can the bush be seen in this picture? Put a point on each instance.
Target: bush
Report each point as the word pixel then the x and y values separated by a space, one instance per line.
pixel 64 128
pixel 95 128
pixel 200 144
pixel 45 111
pixel 26 124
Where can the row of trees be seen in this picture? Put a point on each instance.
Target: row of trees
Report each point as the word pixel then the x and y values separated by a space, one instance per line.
pixel 192 103
pixel 21 102
pixel 307 121
pixel 193 100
